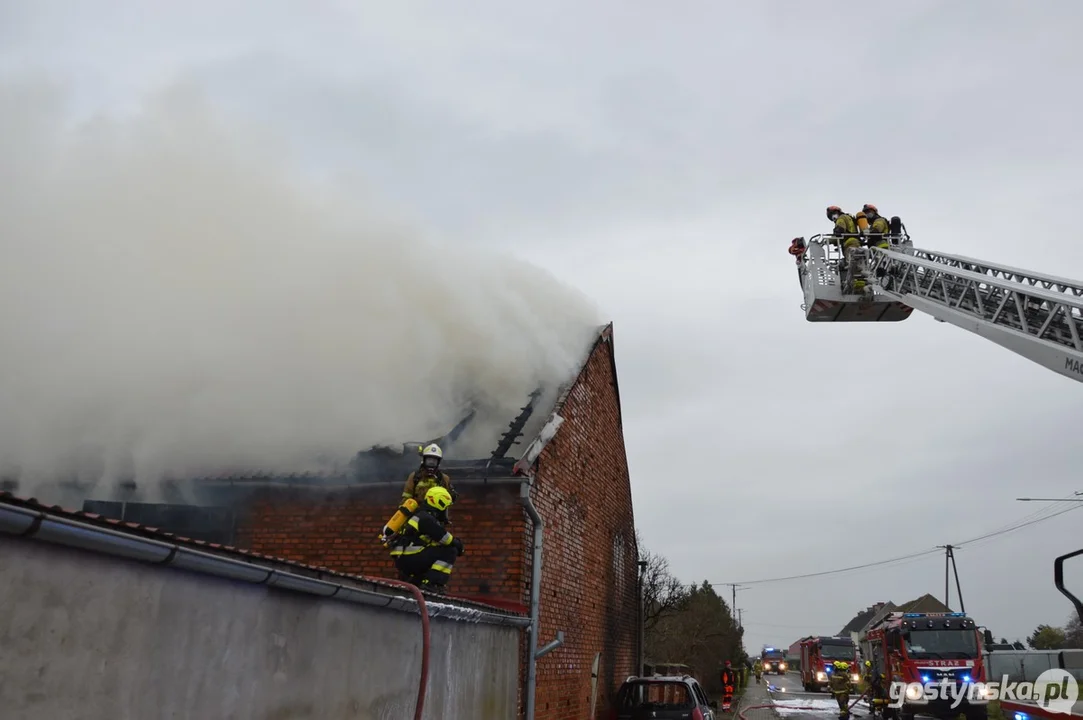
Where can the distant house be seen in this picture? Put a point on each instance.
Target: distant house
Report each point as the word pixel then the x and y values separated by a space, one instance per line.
pixel 874 613
pixel 863 618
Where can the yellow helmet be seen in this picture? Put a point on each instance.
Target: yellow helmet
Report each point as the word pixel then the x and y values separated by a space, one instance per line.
pixel 868 663
pixel 438 497
pixel 841 665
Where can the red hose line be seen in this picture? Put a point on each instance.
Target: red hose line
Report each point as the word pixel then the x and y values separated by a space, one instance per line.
pixel 424 610
pixel 741 713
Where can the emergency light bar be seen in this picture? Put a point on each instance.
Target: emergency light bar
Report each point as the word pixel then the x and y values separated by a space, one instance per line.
pixel 950 614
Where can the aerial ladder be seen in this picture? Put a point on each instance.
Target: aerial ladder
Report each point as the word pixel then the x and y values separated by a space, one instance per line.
pixel 1037 316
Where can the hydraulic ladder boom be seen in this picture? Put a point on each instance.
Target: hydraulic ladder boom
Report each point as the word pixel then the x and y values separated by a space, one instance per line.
pixel 1037 316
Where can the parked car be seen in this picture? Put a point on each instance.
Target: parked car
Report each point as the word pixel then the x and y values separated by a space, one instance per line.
pixel 663 697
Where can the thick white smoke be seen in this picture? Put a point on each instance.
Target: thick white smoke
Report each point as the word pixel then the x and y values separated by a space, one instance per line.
pixel 174 299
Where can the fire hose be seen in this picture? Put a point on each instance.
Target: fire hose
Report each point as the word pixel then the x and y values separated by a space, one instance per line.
pixel 423 610
pixel 741 712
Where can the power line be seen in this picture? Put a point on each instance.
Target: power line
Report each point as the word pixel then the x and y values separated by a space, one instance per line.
pixel 1031 519
pixel 1016 527
pixel 911 556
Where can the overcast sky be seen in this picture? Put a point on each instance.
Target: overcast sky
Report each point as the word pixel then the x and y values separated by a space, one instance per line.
pixel 660 160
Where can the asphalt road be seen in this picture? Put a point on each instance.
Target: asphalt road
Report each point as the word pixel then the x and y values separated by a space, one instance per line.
pixel 791 702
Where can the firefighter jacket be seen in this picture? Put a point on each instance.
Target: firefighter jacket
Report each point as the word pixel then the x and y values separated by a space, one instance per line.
pixel 878 231
pixel 845 225
pixel 729 678
pixel 416 487
pixel 840 682
pixel 422 531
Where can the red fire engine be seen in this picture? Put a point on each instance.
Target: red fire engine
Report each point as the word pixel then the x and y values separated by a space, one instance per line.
pixel 818 655
pixel 773 660
pixel 923 649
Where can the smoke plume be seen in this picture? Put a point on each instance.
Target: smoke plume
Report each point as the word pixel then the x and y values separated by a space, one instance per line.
pixel 175 299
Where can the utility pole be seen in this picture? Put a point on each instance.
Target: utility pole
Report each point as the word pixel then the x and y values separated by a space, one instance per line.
pixel 951 567
pixel 740 623
pixel 734 587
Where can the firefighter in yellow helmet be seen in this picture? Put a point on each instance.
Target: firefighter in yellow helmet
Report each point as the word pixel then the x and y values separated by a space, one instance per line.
pixel 427 475
pixel 840 687
pixel 874 689
pixel 879 227
pixel 424 551
pixel 845 226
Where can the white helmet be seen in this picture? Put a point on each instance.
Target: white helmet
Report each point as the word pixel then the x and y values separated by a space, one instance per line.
pixel 431 451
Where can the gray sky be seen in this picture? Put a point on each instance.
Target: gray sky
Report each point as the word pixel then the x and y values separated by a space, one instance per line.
pixel 660 161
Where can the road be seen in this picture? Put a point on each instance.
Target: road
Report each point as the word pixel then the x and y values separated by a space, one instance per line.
pixel 791 702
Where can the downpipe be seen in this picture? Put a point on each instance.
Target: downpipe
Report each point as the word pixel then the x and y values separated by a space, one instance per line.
pixel 535 603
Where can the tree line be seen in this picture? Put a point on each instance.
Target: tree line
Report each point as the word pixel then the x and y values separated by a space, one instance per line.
pixel 687 624
pixel 1051 637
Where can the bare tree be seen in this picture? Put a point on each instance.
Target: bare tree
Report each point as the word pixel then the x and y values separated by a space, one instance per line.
pixel 662 592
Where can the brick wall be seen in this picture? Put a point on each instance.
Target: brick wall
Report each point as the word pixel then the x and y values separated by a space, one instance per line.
pixel 582 491
pixel 590 558
pixel 338 528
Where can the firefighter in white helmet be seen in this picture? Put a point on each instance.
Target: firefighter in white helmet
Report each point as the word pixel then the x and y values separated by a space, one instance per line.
pixel 427 475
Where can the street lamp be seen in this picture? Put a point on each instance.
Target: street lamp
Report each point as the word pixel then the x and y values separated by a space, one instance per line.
pixel 642 617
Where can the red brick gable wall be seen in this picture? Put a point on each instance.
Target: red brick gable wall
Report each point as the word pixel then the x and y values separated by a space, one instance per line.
pixel 590 559
pixel 337 529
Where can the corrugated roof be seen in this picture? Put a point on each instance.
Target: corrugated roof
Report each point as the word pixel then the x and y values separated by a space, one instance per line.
pixel 318 572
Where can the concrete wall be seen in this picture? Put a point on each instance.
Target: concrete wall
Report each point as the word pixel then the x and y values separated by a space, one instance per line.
pixel 90 637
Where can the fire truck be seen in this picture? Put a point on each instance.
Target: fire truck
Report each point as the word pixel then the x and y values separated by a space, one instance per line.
pixel 818 655
pixel 773 660
pixel 929 649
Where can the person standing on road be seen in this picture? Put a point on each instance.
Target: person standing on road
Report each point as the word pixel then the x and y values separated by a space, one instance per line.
pixel 874 689
pixel 757 667
pixel 840 688
pixel 729 684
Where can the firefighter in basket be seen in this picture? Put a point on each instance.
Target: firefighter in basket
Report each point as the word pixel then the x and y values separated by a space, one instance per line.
pixel 879 228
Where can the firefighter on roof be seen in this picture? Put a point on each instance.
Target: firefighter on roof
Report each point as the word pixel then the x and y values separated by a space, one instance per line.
pixel 427 475
pixel 840 687
pixel 424 551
